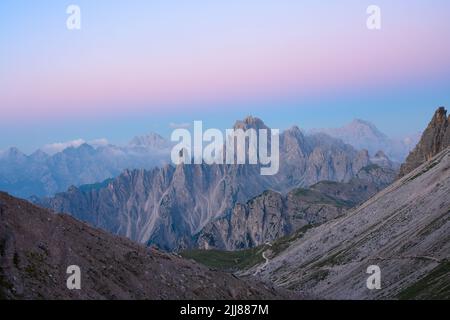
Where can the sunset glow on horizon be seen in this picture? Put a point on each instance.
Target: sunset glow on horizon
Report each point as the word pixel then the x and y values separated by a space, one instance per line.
pixel 160 58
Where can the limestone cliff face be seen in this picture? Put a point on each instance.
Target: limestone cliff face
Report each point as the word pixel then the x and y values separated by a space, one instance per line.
pixel 369 180
pixel 261 219
pixel 271 215
pixel 308 159
pixel 168 206
pixel 164 206
pixel 268 217
pixel 434 139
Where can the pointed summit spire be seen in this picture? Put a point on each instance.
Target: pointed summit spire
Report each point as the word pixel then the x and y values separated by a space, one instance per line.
pixel 250 122
pixel 435 138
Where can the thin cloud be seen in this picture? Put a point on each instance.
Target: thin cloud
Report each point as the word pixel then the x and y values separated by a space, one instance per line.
pixel 56 147
pixel 99 142
pixel 183 125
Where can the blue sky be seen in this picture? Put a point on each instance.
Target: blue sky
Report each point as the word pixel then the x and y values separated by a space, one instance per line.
pixel 137 66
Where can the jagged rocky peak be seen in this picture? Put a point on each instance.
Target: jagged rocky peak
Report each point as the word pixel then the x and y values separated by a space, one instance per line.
pixel 380 154
pixel 13 156
pixel 435 138
pixel 250 123
pixel 382 160
pixel 359 125
pixel 13 152
pixel 293 138
pixel 362 158
pixel 363 153
pixel 168 206
pixel 83 149
pixel 294 131
pixel 39 154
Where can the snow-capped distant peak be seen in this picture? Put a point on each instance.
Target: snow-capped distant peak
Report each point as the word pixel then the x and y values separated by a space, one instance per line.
pixel 151 140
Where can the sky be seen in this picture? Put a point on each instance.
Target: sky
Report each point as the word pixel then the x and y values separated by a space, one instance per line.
pixel 138 66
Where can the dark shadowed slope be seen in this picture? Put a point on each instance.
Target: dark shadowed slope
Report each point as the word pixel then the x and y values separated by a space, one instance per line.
pixel 37 246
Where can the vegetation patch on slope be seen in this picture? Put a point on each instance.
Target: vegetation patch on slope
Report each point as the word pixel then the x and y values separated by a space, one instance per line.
pixel 227 260
pixel 232 261
pixel 435 285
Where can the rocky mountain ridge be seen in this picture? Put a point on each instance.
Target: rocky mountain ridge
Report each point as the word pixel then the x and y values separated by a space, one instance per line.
pixel 78 162
pixel 435 138
pixel 167 206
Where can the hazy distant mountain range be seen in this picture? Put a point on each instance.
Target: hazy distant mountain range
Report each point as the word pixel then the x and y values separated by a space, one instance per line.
pixel 364 135
pixel 42 174
pixel 55 167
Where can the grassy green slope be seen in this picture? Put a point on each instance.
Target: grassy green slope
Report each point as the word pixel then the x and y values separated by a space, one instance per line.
pixel 232 261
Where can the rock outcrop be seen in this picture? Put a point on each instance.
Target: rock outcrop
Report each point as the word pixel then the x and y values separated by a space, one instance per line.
pixel 435 138
pixel 382 160
pixel 37 246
